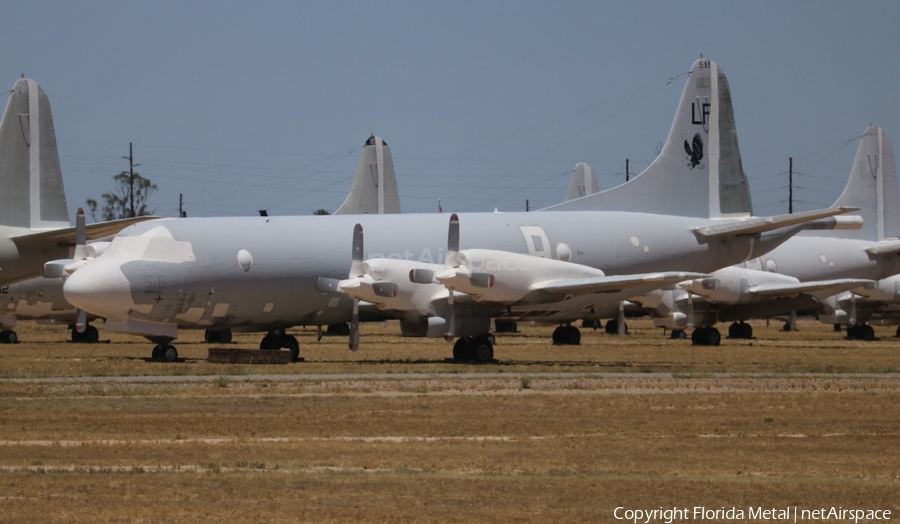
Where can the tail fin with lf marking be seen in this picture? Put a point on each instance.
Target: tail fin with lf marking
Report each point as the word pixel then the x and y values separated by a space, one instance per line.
pixel 698 173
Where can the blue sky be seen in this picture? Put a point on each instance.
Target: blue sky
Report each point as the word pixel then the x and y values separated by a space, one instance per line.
pixel 243 106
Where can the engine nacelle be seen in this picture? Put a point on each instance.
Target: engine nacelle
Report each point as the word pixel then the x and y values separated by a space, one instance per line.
pixel 733 285
pixel 505 277
pixel 886 290
pixel 406 296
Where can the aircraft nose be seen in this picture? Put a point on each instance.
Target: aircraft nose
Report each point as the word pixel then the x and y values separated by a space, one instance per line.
pixel 99 287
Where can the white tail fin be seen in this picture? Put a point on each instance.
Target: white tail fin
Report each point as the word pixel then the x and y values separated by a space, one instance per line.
pixel 374 189
pixel 699 171
pixel 873 189
pixel 32 194
pixel 584 182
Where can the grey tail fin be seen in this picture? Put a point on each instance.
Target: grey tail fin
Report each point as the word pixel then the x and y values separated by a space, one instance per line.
pixel 873 189
pixel 32 194
pixel 699 172
pixel 374 189
pixel 584 182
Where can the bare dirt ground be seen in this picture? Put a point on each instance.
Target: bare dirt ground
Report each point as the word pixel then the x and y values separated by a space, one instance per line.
pixel 394 432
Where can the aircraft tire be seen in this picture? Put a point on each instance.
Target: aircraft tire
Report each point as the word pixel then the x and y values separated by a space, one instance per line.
pixel 269 342
pixel 678 334
pixel 712 337
pixel 697 337
pixel 898 332
pixel 10 337
pixel 461 349
pixel 853 332
pixel 867 332
pixel 573 336
pixel 90 335
pixel 482 350
pixel 747 331
pixel 612 327
pixel 557 336
pixel 157 352
pixel 169 353
pixel 291 343
pixel 506 326
pixel 734 330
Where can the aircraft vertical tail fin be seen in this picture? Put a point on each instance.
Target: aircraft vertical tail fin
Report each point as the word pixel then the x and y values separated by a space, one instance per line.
pixel 32 194
pixel 374 188
pixel 583 183
pixel 699 172
pixel 873 188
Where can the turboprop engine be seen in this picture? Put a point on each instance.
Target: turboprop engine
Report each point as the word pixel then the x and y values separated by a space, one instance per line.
pixel 886 290
pixel 503 277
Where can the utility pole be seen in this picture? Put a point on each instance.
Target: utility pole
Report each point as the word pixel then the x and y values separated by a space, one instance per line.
pixel 627 172
pixel 180 205
pixel 131 165
pixel 791 185
pixel 527 206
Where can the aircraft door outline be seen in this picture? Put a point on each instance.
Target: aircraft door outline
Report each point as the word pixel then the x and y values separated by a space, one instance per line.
pixel 536 240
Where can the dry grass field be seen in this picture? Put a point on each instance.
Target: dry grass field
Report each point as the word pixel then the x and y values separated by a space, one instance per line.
pixel 395 432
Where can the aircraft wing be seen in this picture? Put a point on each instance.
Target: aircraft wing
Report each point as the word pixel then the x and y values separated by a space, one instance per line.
pixel 66 236
pixel 763 224
pixel 884 249
pixel 613 284
pixel 821 287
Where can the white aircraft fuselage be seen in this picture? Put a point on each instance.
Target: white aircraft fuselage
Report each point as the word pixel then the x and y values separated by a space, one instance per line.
pixel 259 273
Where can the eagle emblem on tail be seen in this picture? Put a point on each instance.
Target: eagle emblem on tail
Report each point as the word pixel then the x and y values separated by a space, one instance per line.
pixel 694 150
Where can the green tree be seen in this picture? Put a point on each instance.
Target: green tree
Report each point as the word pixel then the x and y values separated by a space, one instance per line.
pixel 322 211
pixel 117 203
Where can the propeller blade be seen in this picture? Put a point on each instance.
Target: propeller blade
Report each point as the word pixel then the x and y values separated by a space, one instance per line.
pixel 81 251
pixel 690 312
pixel 354 326
pixel 328 285
pixel 80 320
pixel 421 276
pixel 451 318
pixel 452 242
pixel 385 289
pixel 356 267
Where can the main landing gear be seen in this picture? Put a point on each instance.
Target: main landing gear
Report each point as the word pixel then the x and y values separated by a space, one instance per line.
pixel 678 334
pixel 217 336
pixel 740 330
pixel 860 332
pixel 479 348
pixel 706 336
pixel 8 336
pixel 164 353
pixel 90 335
pixel 612 327
pixel 566 336
pixel 278 339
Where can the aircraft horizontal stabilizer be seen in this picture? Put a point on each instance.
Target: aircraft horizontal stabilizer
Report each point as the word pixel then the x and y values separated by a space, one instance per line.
pixel 820 287
pixel 891 248
pixel 612 284
pixel 66 236
pixel 763 224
